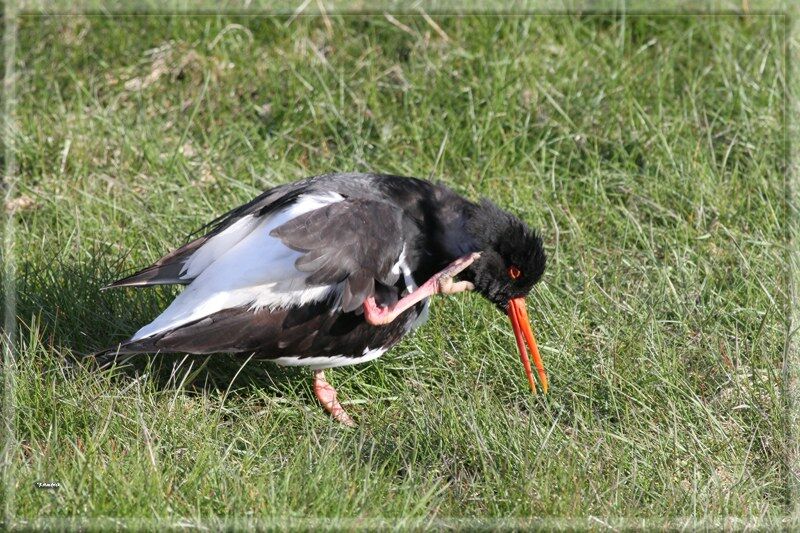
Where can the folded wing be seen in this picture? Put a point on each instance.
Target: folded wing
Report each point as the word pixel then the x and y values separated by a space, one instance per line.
pixel 356 242
pixel 316 247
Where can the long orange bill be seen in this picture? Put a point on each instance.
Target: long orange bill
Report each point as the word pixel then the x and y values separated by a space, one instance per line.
pixel 522 332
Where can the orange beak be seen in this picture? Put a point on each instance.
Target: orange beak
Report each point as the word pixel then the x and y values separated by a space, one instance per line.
pixel 522 332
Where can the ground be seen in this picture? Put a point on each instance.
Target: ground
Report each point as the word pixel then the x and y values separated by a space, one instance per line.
pixel 649 151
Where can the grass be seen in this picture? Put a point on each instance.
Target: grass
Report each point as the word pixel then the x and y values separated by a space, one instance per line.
pixel 648 149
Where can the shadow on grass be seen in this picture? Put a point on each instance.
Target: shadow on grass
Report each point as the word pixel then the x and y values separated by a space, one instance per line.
pixel 74 319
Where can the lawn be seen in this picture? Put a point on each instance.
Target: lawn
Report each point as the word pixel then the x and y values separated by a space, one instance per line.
pixel 649 150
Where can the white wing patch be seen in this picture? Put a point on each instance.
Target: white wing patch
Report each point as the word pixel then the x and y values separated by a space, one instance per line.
pixel 244 266
pixel 217 245
pixel 320 363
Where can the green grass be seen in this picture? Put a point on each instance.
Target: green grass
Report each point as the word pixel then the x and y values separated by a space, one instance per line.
pixel 648 149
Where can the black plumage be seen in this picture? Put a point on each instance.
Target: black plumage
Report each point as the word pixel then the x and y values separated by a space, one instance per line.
pixel 377 236
pixel 303 332
pixel 342 243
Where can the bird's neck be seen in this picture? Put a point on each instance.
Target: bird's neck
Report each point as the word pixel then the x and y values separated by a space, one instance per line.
pixel 452 239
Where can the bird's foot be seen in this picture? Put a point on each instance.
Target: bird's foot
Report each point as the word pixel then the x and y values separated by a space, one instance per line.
pixel 440 283
pixel 444 283
pixel 326 394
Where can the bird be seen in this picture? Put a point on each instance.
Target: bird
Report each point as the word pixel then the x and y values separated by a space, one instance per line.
pixel 334 270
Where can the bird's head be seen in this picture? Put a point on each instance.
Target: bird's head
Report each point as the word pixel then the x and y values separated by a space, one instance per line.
pixel 512 261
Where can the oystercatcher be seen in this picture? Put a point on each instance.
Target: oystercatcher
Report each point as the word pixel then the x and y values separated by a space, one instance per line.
pixel 333 270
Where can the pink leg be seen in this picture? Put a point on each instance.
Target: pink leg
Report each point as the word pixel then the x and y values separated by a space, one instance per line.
pixel 326 394
pixel 440 283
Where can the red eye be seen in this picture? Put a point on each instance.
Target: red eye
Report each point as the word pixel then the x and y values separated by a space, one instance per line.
pixel 514 272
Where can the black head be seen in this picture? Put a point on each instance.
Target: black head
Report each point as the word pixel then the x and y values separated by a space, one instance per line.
pixel 512 261
pixel 512 256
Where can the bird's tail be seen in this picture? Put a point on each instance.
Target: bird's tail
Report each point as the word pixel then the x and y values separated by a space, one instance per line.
pixel 122 351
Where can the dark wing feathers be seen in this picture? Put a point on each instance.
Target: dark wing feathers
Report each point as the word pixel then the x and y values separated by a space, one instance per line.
pixel 165 271
pixel 356 241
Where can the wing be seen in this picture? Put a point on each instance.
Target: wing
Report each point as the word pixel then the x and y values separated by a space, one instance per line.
pixel 355 242
pixel 181 266
pixel 320 247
